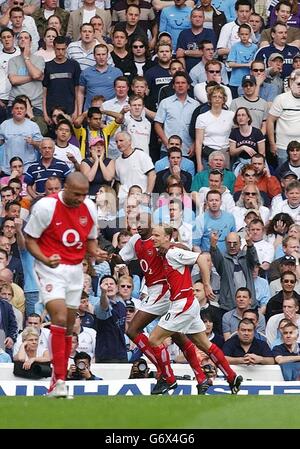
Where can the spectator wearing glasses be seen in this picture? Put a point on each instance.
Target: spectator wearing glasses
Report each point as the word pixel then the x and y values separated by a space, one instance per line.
pixel 250 199
pixel 264 90
pixel 213 72
pixel 287 263
pixel 264 180
pixel 275 304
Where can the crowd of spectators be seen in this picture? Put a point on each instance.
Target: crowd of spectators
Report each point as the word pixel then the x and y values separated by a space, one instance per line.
pixel 185 110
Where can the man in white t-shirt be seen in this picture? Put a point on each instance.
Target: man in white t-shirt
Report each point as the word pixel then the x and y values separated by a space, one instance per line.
pixel 291 205
pixel 133 167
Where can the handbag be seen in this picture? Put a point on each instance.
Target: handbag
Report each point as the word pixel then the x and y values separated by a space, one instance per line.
pixel 38 370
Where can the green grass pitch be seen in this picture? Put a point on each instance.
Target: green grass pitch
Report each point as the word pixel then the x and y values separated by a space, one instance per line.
pixel 205 412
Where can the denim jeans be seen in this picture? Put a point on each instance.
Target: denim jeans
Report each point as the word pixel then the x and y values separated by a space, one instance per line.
pixel 31 298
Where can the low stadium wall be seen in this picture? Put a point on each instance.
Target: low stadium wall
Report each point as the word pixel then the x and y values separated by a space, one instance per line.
pixel 258 380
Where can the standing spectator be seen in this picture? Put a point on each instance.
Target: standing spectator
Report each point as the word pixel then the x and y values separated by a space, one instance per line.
pixel 198 73
pixel 282 14
pixel 137 124
pixel 38 172
pixel 175 18
pixel 20 137
pixel 213 128
pixel 19 22
pixel 175 158
pixel 133 167
pixel 47 49
pixel 111 315
pixel 120 54
pixel 274 71
pixel 292 165
pixel 65 151
pixel 98 168
pixel 49 8
pixel 131 24
pixel 213 72
pixel 7 52
pixel 116 104
pixel 229 32
pixel 257 107
pixel 25 72
pixel 213 18
pixel 159 75
pixel 245 140
pixel 82 50
pixel 97 79
pixel 214 218
pixel 147 19
pixel 187 49
pixel 284 112
pixel 240 57
pixel 175 109
pixel 234 267
pixel 83 15
pixel 278 45
pixel 61 80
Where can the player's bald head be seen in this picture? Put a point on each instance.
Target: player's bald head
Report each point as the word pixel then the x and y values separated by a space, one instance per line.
pixel 76 179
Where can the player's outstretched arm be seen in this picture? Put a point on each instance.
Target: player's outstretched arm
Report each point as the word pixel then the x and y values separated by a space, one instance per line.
pixel 31 243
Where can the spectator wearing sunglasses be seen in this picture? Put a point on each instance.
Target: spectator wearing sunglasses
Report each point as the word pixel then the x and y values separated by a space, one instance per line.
pixel 288 281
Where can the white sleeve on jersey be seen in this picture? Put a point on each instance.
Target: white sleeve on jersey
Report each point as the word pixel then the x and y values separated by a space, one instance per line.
pixel 128 251
pixel 40 217
pixel 93 211
pixel 178 257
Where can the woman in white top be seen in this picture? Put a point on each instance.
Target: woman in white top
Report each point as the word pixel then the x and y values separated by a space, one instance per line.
pixel 47 51
pixel 213 128
pixel 30 351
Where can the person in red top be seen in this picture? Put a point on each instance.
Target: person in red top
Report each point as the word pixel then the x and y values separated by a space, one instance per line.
pixel 140 246
pixel 60 231
pixel 264 180
pixel 184 311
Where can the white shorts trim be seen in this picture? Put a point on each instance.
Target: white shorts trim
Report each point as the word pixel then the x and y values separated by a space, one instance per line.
pixel 63 282
pixel 187 322
pixel 156 307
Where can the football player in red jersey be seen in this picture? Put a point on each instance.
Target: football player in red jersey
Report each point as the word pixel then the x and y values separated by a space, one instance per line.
pixel 184 311
pixel 140 246
pixel 60 231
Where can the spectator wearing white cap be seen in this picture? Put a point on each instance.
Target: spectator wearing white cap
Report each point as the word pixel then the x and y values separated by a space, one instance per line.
pixel 274 71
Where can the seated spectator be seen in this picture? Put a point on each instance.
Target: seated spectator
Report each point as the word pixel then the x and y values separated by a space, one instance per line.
pixel 248 176
pixel 291 205
pixel 183 231
pixel 216 161
pixel 30 351
pixel 231 319
pixel 277 230
pixel 7 293
pixel 175 157
pixel 86 337
pixel 215 180
pixel 245 349
pixel 287 263
pixel 264 180
pixel 206 306
pixel 35 320
pixel 291 247
pixel 264 249
pixel 106 201
pixel 250 199
pixel 292 165
pixel 85 311
pixel 287 354
pixel 254 315
pixel 163 163
pixel 275 304
pixel 290 311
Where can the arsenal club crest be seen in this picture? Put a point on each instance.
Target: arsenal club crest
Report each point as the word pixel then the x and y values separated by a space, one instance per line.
pixel 83 221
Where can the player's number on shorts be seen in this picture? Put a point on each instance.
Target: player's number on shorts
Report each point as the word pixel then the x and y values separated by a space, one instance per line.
pixel 167 317
pixel 71 238
pixel 145 267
